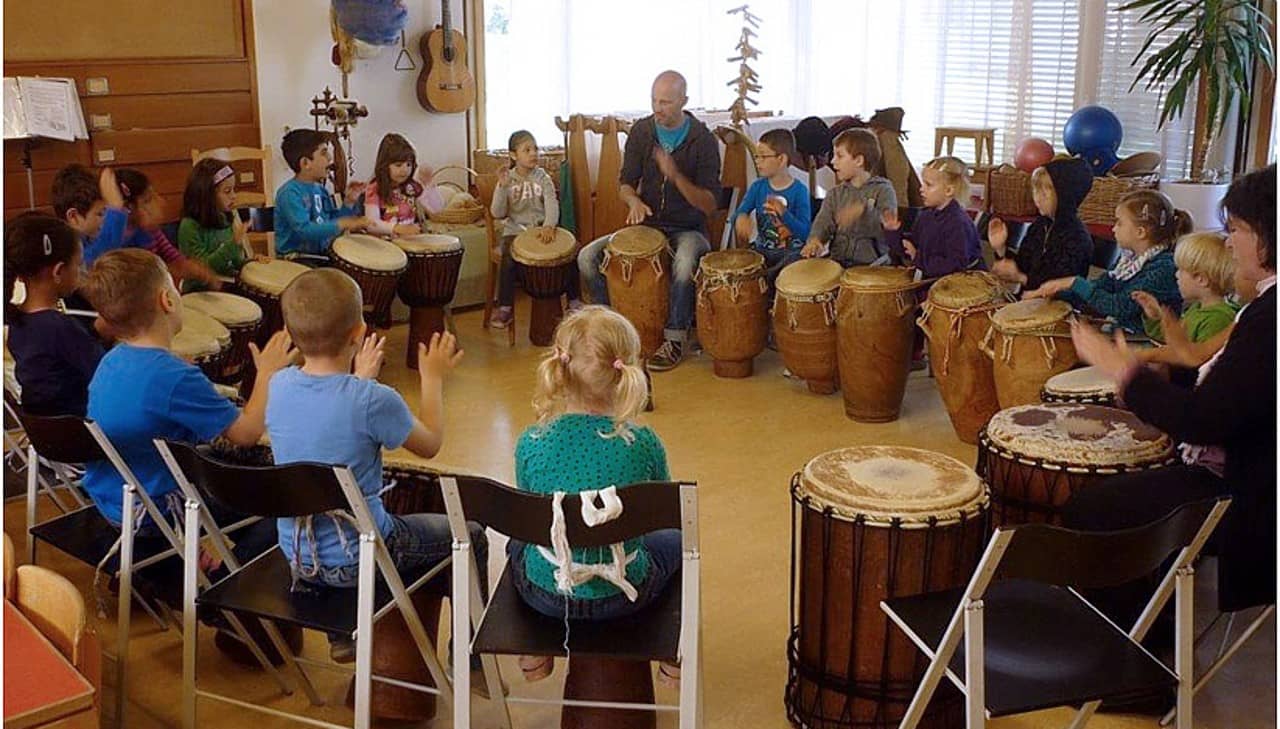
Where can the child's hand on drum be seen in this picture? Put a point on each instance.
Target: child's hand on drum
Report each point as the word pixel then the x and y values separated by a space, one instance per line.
pixel 262 259
pixel 546 234
pixel 406 229
pixel 1050 289
pixel 850 214
pixel 438 359
pixel 742 228
pixel 353 222
pixel 997 235
pixel 353 192
pixel 637 211
pixel 812 248
pixel 910 249
pixel 371 356
pixel 889 220
pixel 278 354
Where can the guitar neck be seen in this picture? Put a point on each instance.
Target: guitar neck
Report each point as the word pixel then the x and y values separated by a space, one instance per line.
pixel 446 22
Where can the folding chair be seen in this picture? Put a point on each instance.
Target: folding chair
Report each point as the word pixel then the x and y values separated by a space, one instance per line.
pixel 263 587
pixel 18 448
pixel 669 630
pixel 1032 641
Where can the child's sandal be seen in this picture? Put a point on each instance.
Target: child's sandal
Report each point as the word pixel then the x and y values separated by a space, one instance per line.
pixel 536 668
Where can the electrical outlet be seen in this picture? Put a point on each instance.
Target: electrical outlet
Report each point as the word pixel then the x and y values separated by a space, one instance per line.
pixel 106 155
pixel 100 121
pixel 97 86
pixel 247 178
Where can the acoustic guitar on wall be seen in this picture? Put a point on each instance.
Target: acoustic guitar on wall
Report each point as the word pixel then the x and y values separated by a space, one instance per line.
pixel 445 84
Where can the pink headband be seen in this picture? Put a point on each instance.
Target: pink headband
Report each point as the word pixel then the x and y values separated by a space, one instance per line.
pixel 222 174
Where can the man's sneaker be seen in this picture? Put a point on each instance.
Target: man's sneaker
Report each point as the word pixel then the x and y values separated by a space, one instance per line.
pixel 667 356
pixel 342 649
pixel 502 318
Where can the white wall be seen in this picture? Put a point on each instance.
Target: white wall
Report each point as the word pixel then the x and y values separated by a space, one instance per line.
pixel 293 47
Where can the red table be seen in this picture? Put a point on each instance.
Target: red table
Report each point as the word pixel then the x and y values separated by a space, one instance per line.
pixel 40 686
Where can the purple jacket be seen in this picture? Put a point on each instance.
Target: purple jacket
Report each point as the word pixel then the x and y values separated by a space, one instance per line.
pixel 946 241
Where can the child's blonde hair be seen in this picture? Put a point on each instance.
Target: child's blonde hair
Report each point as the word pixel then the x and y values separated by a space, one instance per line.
pixel 595 358
pixel 1154 211
pixel 321 308
pixel 954 172
pixel 122 286
pixel 1206 254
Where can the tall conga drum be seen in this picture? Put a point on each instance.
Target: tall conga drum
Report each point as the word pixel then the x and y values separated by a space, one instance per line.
pixel 1082 385
pixel 804 321
pixel 203 342
pixel 1029 342
pixel 955 318
pixel 262 282
pixel 547 271
pixel 870 523
pixel 875 328
pixel 240 316
pixel 376 266
pixel 636 265
pixel 1034 457
pixel 428 285
pixel 733 317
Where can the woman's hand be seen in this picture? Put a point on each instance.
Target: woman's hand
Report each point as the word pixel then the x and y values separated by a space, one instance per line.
pixel 1113 358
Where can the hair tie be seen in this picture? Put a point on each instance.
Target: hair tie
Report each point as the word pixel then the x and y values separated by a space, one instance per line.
pixel 222 174
pixel 561 355
pixel 617 364
pixel 124 189
pixel 48 245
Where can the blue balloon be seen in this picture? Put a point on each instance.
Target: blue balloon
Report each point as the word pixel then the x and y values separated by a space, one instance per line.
pixel 1092 128
pixel 1101 160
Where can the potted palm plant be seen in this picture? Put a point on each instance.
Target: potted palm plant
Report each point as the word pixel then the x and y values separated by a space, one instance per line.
pixel 1216 56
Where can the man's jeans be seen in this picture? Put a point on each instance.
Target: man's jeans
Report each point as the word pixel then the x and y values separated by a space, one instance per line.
pixel 688 247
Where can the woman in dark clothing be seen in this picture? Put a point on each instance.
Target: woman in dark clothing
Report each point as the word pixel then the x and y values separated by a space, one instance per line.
pixel 1228 420
pixel 1058 243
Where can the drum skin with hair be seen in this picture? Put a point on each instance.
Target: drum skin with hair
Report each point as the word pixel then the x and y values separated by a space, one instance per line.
pixel 733 318
pixel 804 321
pixel 547 270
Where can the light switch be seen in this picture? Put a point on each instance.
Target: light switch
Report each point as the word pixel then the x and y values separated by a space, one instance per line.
pixel 106 155
pixel 247 177
pixel 97 86
pixel 100 121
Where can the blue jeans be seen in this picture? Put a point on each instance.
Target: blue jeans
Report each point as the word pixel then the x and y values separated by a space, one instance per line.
pixel 775 259
pixel 664 562
pixel 416 543
pixel 688 246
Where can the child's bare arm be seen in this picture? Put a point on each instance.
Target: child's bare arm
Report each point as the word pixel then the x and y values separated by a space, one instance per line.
pixel 247 429
pixel 435 362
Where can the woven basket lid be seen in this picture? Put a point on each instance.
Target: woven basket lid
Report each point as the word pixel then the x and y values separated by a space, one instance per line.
pixel 1078 435
pixel 736 262
pixel 273 276
pixel 638 241
pixel 528 248
pixel 888 483
pixel 876 278
pixel 965 290
pixel 229 309
pixel 369 253
pixel 1082 381
pixel 809 277
pixel 428 243
pixel 1031 315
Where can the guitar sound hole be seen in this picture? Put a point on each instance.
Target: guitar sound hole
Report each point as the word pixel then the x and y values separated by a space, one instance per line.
pixel 448 55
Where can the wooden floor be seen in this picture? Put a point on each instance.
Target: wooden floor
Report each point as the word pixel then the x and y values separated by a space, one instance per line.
pixel 741 440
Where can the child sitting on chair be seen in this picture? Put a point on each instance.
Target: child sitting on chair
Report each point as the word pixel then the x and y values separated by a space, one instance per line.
pixel 142 391
pixel 848 226
pixel 1205 277
pixel 1057 243
pixel 54 357
pixel 211 232
pixel 93 206
pixel 1147 226
pixel 943 239
pixel 306 219
pixel 145 214
pixel 400 191
pixel 778 202
pixel 590 390
pixel 323 413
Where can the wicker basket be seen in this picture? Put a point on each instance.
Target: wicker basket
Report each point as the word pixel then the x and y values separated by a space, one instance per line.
pixel 1099 206
pixel 461 215
pixel 1009 191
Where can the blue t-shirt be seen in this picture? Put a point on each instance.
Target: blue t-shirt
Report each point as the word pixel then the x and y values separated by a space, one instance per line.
pixel 140 393
pixel 110 236
pixel 335 419
pixel 54 360
pixel 671 138
pixel 789 230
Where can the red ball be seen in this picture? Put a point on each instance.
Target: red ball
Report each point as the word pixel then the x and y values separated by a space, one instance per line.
pixel 1031 153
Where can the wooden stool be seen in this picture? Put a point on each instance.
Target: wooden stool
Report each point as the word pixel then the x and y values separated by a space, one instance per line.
pixel 600 678
pixel 395 655
pixel 984 140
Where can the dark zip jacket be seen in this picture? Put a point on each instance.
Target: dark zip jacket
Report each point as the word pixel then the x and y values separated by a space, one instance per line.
pixel 1059 246
pixel 697 158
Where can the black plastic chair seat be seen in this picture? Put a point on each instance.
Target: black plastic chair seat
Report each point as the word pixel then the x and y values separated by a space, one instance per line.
pixel 263 588
pixel 511 627
pixel 87 535
pixel 1045 647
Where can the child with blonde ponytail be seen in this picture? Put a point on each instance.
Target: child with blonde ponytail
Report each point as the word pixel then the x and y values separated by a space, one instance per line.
pixel 590 390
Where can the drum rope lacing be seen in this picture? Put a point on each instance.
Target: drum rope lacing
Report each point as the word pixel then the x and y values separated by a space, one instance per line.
pixel 954 325
pixel 827 299
pixel 628 264
pixel 709 283
pixel 1046 335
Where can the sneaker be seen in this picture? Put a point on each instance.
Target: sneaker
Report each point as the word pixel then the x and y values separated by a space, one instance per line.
pixel 667 356
pixel 502 318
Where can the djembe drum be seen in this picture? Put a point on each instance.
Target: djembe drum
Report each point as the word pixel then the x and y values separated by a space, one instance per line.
pixel 376 266
pixel 955 318
pixel 875 328
pixel 203 342
pixel 733 318
pixel 636 265
pixel 262 283
pixel 428 285
pixel 804 321
pixel 1082 385
pixel 1034 457
pixel 240 316
pixel 871 523
pixel 548 268
pixel 1028 342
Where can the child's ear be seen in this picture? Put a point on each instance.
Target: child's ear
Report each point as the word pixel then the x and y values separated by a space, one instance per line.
pixel 357 333
pixel 58 269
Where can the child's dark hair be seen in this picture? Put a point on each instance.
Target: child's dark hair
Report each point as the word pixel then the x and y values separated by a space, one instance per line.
pixel 518 138
pixel 132 185
pixel 781 141
pixel 32 243
pixel 200 198
pixel 1252 199
pixel 300 144
pixel 75 187
pixel 1154 211
pixel 863 142
pixel 395 148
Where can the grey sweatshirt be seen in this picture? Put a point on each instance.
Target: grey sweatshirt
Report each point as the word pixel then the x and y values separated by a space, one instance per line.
pixel 863 242
pixel 526 202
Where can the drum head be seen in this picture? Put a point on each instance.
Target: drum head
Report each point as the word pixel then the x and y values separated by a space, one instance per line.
pixel 273 276
pixel 637 241
pixel 876 278
pixel 369 253
pixel 1031 315
pixel 809 277
pixel 528 248
pixel 1078 435
pixel 887 483
pixel 428 243
pixel 731 263
pixel 966 290
pixel 1081 382
pixel 200 324
pixel 229 309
